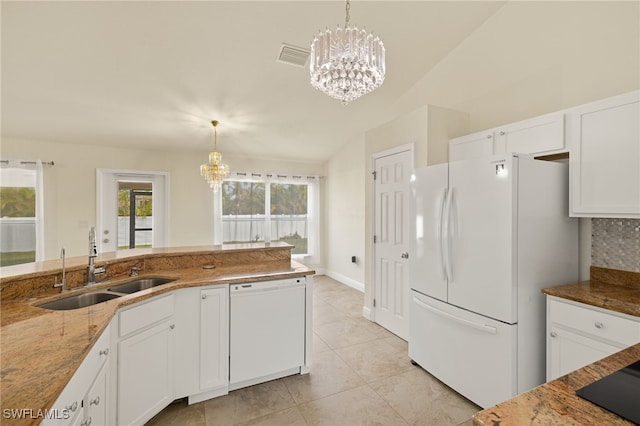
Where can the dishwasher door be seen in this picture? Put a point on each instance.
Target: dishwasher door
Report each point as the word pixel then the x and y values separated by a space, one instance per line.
pixel 267 330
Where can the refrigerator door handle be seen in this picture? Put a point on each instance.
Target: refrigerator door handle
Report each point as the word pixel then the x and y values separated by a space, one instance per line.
pixel 441 237
pixel 482 327
pixel 447 237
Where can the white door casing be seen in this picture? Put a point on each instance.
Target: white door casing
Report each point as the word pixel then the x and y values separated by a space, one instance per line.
pixel 107 205
pixel 391 233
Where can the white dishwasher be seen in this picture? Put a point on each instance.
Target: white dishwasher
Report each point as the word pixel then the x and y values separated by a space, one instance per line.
pixel 267 330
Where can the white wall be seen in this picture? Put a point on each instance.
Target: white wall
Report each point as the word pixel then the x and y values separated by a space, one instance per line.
pixel 70 188
pixel 535 57
pixel 345 214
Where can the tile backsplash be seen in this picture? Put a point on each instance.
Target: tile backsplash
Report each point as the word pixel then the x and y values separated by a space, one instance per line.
pixel 615 243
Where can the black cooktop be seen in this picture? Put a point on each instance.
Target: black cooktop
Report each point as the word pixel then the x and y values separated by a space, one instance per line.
pixel 618 392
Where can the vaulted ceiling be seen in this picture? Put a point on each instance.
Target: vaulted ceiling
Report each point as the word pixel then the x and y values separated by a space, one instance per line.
pixel 153 74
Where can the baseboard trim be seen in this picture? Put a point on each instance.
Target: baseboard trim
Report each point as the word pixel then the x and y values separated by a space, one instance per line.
pixel 345 280
pixel 366 312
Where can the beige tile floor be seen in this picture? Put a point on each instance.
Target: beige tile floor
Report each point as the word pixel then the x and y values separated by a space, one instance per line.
pixel 360 375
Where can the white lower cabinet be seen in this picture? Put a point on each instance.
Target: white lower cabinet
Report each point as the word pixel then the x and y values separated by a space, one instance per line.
pixel 85 400
pixel 202 340
pixel 214 338
pixel 579 334
pixel 95 410
pixel 171 346
pixel 145 360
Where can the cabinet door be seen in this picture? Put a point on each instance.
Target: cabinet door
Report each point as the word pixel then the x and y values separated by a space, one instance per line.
pixel 214 338
pixel 568 351
pixel 476 145
pixel 539 135
pixel 95 403
pixel 145 374
pixel 605 158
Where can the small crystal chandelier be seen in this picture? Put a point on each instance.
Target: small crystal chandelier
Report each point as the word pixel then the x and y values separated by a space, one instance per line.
pixel 347 63
pixel 214 171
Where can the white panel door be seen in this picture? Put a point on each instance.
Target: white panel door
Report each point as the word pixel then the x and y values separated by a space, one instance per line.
pixel 391 249
pixel 426 263
pixel 481 244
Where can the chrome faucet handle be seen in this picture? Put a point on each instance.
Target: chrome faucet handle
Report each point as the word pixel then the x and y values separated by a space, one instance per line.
pixel 134 271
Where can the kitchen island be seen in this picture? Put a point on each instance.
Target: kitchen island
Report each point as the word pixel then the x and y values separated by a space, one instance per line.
pixel 42 349
pixel 555 402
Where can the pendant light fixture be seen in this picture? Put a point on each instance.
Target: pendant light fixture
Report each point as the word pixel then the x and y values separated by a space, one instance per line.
pixel 346 63
pixel 215 170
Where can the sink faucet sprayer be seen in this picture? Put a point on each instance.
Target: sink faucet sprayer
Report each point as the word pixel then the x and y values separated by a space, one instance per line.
pixel 93 252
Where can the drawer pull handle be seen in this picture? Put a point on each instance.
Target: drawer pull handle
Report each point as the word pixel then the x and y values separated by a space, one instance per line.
pixel 204 296
pixel 73 407
pixel 96 401
pixel 553 334
pixel 104 352
pixel 598 324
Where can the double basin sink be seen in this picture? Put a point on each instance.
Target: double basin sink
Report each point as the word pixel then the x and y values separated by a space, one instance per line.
pixel 89 299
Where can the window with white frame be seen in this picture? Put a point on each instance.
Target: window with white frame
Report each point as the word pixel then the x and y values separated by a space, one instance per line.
pixel 266 207
pixel 21 212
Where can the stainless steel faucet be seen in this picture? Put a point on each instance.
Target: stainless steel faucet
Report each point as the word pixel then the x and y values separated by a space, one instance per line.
pixel 63 284
pixel 93 252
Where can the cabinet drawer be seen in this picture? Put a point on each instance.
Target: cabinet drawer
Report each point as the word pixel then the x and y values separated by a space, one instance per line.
pixel 596 323
pixel 145 314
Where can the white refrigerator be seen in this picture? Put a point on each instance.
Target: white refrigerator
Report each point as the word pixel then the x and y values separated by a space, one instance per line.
pixel 487 235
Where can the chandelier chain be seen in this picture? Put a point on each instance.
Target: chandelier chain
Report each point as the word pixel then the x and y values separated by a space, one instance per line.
pixel 347 15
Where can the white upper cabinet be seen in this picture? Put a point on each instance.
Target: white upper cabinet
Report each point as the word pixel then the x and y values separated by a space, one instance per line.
pixel 539 136
pixel 605 157
pixel 476 145
pixel 542 135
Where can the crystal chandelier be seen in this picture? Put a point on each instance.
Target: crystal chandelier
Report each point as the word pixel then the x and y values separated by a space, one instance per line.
pixel 347 63
pixel 214 171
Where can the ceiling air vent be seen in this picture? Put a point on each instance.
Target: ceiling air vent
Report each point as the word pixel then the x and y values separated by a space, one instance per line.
pixel 293 55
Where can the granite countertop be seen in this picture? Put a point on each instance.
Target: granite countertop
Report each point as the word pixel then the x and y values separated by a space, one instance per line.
pixel 617 291
pixel 41 349
pixel 555 402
